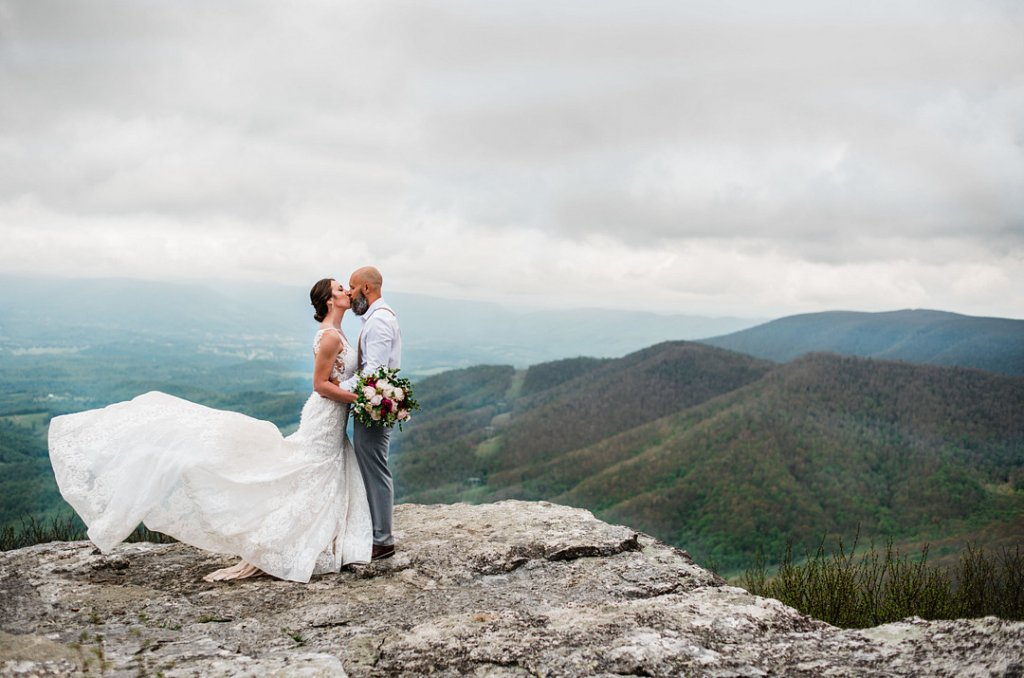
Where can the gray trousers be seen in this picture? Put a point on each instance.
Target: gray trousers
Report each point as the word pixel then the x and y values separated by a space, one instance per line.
pixel 371 446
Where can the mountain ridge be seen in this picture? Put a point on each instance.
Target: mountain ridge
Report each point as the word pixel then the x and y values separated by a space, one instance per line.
pixel 914 335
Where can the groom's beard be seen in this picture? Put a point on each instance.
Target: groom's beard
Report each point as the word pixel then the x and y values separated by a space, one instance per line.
pixel 360 305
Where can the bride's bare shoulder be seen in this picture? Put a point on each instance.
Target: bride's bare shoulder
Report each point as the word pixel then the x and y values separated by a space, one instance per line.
pixel 328 339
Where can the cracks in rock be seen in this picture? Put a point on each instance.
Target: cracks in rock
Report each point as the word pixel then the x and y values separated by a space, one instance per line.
pixel 149 645
pixel 520 555
pixel 647 593
pixel 380 568
pixel 379 652
pixel 642 588
pixel 640 671
pixel 214 619
pixel 506 567
pixel 111 563
pixel 588 551
pixel 331 624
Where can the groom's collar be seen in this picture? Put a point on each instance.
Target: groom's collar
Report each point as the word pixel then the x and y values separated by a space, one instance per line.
pixel 380 303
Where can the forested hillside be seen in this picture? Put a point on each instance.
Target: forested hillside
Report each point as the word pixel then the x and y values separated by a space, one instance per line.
pixel 921 336
pixel 724 454
pixel 554 407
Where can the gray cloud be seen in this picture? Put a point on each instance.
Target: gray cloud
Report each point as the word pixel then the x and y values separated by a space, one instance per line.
pixel 801 129
pixel 811 144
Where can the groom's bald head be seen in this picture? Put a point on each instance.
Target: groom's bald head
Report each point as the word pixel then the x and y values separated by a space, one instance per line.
pixel 367 275
pixel 364 285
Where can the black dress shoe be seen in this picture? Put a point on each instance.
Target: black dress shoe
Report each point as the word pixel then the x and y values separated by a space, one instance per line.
pixel 381 551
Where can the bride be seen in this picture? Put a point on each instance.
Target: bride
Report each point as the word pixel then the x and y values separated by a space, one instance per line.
pixel 290 507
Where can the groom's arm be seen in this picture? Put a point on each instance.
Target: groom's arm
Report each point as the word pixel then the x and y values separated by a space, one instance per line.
pixel 378 338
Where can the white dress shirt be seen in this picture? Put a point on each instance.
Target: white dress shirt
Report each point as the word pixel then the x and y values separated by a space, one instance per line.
pixel 380 342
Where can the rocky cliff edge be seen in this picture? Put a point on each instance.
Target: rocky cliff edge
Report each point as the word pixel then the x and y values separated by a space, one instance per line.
pixel 506 589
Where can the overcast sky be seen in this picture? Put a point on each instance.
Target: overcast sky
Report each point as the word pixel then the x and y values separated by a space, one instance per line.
pixel 725 158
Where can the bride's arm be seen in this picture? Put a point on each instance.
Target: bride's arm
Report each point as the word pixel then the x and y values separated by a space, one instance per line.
pixel 330 345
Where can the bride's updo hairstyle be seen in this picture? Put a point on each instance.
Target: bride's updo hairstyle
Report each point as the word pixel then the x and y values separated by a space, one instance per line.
pixel 318 296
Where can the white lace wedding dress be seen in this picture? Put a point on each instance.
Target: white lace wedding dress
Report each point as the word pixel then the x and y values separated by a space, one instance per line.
pixel 219 480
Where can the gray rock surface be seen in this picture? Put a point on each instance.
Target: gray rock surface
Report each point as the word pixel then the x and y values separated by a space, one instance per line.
pixel 506 589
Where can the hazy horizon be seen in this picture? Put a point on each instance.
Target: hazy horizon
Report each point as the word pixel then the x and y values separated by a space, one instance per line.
pixel 221 283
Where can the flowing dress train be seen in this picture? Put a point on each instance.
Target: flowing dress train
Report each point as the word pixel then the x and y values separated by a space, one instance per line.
pixel 292 506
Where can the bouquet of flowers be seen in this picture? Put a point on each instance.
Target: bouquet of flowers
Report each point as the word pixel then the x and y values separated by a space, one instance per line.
pixel 384 399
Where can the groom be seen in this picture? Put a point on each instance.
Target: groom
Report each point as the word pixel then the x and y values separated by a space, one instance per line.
pixel 380 343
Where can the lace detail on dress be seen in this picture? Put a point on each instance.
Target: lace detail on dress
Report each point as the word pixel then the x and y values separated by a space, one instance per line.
pixel 345 362
pixel 220 480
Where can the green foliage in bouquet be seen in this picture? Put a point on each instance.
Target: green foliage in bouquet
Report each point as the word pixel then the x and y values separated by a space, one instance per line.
pixel 384 399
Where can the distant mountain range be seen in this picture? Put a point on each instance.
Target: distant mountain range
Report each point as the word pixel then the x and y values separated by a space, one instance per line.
pixel 246 321
pixel 931 337
pixel 723 453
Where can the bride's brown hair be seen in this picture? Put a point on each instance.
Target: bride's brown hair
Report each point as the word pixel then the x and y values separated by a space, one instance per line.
pixel 318 296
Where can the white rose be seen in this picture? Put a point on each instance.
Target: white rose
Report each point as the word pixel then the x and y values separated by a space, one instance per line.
pixel 375 415
pixel 369 391
pixel 384 385
pixel 375 400
pixel 399 395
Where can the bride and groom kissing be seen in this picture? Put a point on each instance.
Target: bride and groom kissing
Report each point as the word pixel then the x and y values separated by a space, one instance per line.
pixel 291 507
